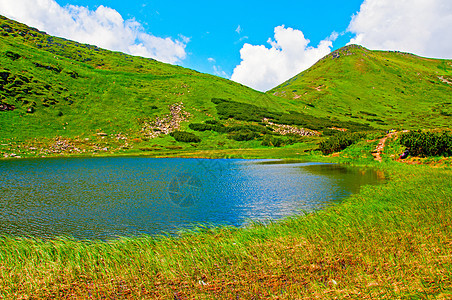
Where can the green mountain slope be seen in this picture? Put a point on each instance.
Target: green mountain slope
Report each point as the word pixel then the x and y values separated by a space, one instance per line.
pixel 60 81
pixel 383 89
pixel 51 88
pixel 61 97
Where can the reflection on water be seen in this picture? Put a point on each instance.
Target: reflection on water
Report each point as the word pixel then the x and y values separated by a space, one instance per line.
pixel 100 198
pixel 352 177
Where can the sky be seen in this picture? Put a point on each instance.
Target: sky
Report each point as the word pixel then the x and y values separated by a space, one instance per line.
pixel 257 43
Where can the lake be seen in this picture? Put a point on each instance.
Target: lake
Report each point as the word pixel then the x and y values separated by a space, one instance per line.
pixel 102 198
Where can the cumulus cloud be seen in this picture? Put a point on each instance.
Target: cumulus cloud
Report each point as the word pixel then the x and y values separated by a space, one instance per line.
pixel 418 26
pixel 103 27
pixel 263 68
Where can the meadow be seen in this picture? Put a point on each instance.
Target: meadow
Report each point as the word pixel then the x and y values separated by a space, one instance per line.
pixel 391 241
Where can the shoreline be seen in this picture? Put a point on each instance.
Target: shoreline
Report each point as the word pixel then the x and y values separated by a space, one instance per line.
pixel 378 243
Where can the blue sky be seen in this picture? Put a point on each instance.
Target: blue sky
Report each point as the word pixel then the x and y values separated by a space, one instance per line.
pixel 257 43
pixel 211 25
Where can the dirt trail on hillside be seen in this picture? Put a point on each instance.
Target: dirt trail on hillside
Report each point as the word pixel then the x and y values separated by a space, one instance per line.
pixel 381 146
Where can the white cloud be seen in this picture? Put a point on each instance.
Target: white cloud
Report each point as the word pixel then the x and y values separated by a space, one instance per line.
pixel 241 39
pixel 217 70
pixel 263 68
pixel 418 26
pixel 103 27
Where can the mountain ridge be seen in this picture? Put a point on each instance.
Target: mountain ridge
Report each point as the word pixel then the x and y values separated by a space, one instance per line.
pixel 375 86
pixel 66 96
pixel 58 94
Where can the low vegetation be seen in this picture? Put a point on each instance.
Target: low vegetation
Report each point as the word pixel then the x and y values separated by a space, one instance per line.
pixel 339 142
pixel 185 137
pixel 248 112
pixel 424 143
pixel 387 242
pixel 59 98
pixel 385 89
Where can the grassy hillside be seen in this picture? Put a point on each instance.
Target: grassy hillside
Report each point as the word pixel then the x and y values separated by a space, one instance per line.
pixel 53 88
pixel 392 241
pixel 384 89
pixel 59 97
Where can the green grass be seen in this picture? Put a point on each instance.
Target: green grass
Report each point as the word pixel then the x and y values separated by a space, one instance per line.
pixel 384 89
pixel 392 241
pixel 76 90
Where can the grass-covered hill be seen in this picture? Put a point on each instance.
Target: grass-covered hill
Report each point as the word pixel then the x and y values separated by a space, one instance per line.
pixel 58 96
pixel 384 89
pixel 62 97
pixel 51 86
pixel 77 96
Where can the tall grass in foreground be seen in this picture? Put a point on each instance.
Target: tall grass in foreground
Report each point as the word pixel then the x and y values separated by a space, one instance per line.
pixel 389 241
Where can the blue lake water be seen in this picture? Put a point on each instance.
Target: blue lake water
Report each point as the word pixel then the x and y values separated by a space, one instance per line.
pixel 102 198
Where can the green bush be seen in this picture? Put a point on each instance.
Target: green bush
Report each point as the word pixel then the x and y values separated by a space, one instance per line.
pixel 330 132
pixel 427 143
pixel 339 142
pixel 209 126
pixel 253 128
pixel 238 129
pixel 272 141
pixel 200 127
pixel 241 111
pixel 315 123
pixel 186 137
pixel 243 135
pixel 247 112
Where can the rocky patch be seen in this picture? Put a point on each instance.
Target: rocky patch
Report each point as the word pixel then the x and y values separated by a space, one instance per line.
pixel 168 123
pixel 445 80
pixel 287 129
pixel 6 107
pixel 62 145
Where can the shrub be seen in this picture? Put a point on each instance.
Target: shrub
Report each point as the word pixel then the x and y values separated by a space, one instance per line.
pixel 243 135
pixel 330 132
pixel 208 126
pixel 241 111
pixel 253 128
pixel 200 127
pixel 368 113
pixel 315 123
pixel 272 141
pixel 247 112
pixel 339 142
pixel 186 137
pixel 427 143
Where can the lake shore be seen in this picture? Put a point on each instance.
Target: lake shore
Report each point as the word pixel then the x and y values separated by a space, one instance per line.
pixel 286 152
pixel 388 241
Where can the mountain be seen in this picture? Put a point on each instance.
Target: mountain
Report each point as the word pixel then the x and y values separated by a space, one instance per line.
pixel 381 88
pixel 61 97
pixel 51 86
pixel 66 96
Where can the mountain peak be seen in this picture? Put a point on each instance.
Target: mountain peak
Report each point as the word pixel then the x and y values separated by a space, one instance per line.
pixel 377 87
